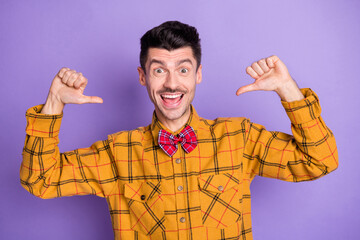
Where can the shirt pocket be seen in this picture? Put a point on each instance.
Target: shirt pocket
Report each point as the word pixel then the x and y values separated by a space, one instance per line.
pixel 146 206
pixel 219 200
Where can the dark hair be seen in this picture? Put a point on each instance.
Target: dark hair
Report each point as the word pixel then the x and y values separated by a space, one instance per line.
pixel 170 35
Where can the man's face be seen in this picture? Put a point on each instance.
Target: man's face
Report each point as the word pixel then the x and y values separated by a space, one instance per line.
pixel 170 79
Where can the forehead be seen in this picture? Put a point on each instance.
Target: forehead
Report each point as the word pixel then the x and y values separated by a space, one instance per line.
pixel 170 57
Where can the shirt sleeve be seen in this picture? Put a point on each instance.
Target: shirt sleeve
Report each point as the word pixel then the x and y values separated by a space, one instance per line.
pixel 47 173
pixel 307 155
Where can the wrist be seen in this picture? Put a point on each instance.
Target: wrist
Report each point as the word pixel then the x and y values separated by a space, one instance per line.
pixel 289 92
pixel 53 105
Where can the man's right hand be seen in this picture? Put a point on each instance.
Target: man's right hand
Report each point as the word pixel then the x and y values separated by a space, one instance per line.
pixel 67 87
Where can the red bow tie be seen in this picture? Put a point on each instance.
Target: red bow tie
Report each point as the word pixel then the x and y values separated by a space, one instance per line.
pixel 169 143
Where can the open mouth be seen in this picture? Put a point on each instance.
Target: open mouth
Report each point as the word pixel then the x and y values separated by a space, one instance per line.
pixel 171 100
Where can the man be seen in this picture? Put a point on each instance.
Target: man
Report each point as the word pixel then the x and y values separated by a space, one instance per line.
pixel 181 177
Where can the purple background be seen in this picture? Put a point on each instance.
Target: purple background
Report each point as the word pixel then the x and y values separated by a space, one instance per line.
pixel 317 40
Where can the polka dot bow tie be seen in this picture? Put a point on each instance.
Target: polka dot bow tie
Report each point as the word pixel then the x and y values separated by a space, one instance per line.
pixel 169 143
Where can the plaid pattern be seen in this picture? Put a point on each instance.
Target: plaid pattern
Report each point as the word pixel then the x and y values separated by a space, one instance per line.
pixel 204 194
pixel 169 143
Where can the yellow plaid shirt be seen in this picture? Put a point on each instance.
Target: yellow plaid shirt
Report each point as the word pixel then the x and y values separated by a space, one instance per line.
pixel 204 194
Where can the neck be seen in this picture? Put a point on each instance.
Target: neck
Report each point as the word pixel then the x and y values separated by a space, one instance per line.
pixel 173 124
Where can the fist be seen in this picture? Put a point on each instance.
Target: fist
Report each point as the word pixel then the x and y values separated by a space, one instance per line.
pixel 68 87
pixel 271 74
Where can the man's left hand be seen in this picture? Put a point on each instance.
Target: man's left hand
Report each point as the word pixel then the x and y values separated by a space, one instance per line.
pixel 271 74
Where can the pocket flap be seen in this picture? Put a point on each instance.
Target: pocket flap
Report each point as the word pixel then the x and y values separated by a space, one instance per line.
pixel 218 183
pixel 141 191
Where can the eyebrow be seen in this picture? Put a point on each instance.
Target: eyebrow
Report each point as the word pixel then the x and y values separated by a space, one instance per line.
pixel 156 61
pixel 177 64
pixel 184 61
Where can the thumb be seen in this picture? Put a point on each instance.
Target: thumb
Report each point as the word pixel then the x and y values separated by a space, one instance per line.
pixel 247 88
pixel 91 99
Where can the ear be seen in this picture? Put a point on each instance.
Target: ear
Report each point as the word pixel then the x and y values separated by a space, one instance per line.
pixel 142 78
pixel 199 74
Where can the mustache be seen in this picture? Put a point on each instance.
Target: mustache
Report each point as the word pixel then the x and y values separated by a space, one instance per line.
pixel 170 90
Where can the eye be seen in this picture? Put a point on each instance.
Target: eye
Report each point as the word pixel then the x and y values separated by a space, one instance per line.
pixel 184 70
pixel 159 70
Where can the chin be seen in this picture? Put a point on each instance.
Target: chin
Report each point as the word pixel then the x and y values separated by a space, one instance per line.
pixel 173 114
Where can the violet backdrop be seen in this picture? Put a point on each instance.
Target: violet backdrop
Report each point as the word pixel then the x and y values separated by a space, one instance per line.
pixel 317 40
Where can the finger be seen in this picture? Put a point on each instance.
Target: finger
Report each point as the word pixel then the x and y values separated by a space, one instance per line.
pixel 75 76
pixel 257 68
pixel 247 88
pixel 252 73
pixel 91 99
pixel 263 65
pixel 81 82
pixel 67 75
pixel 62 71
pixel 271 61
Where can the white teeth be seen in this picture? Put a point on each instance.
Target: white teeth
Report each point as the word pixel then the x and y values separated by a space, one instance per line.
pixel 171 96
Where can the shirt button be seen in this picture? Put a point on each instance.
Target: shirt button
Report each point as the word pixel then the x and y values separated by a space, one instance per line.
pixel 178 160
pixel 180 188
pixel 182 219
pixel 221 188
pixel 142 197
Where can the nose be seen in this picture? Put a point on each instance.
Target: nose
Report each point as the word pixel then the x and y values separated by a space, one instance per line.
pixel 171 81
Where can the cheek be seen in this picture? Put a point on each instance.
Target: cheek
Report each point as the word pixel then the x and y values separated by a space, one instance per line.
pixel 152 89
pixel 191 85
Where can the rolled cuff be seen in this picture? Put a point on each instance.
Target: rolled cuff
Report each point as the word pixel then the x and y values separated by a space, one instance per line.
pixel 304 110
pixel 42 125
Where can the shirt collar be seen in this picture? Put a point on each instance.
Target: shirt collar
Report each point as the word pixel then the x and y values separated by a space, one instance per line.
pixel 156 125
